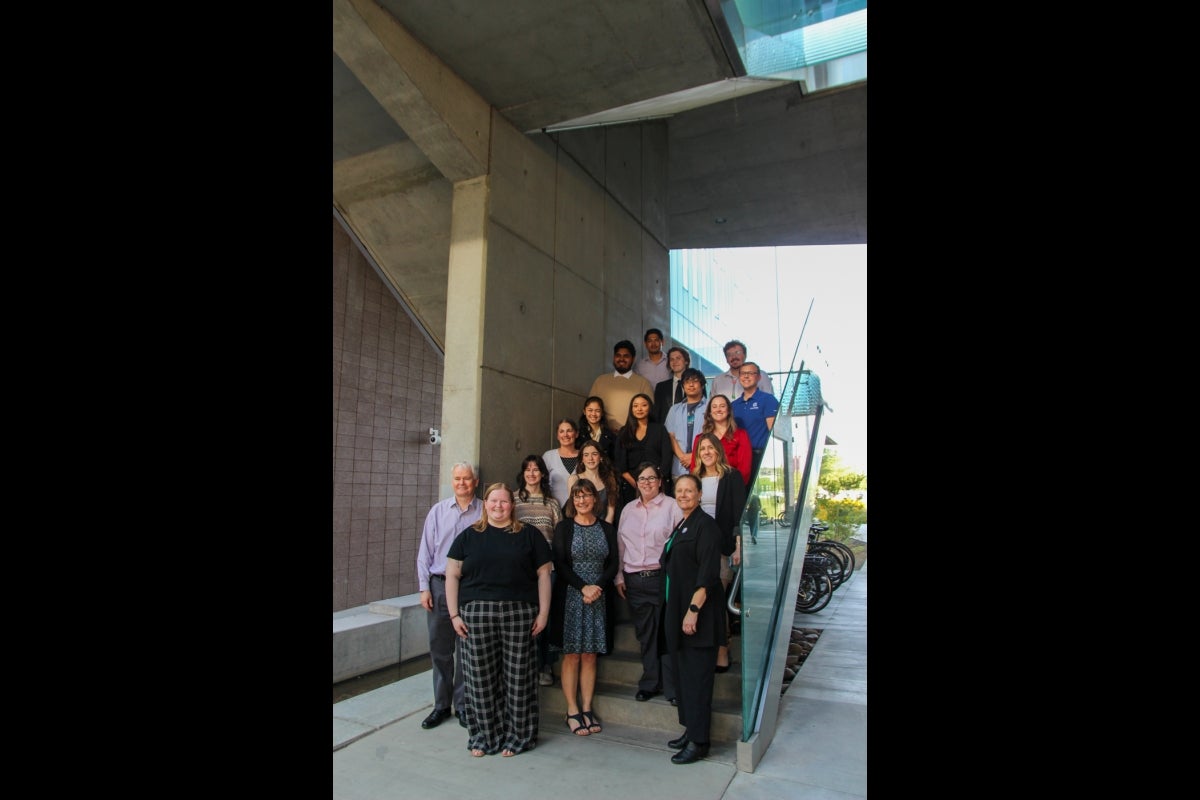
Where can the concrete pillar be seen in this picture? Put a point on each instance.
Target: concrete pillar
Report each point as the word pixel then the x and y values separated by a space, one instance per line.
pixel 466 284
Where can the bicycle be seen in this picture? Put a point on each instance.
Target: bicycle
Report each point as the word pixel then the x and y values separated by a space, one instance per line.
pixel 816 588
pixel 827 564
pixel 839 551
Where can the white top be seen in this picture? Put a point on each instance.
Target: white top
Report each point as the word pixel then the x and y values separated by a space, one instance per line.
pixel 558 475
pixel 708 495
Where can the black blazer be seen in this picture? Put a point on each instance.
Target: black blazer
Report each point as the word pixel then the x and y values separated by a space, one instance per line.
pixel 565 574
pixel 607 442
pixel 693 560
pixel 663 399
pixel 731 499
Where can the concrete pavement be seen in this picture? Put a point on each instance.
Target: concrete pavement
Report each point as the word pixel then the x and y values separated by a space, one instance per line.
pixel 819 751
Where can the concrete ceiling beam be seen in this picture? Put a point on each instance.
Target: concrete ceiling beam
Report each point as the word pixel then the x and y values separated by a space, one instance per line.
pixel 441 113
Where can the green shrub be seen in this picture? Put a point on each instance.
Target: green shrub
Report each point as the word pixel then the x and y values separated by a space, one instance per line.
pixel 843 516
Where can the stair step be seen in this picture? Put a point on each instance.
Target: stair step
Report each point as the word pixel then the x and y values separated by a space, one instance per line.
pixel 615 703
pixel 656 719
pixel 624 669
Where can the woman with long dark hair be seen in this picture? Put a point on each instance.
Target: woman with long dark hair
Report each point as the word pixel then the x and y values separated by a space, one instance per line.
pixel 641 439
pixel 592 425
pixel 595 468
pixel 537 507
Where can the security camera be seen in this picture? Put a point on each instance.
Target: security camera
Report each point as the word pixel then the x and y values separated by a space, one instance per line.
pixel 435 436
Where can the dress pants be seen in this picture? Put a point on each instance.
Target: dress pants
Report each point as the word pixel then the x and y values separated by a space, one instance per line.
pixel 696 675
pixel 644 596
pixel 444 652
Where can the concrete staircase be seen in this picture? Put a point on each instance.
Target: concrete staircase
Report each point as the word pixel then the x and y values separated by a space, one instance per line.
pixel 387 632
pixel 655 719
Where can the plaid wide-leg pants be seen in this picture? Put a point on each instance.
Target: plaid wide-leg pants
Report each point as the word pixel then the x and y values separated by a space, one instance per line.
pixel 500 675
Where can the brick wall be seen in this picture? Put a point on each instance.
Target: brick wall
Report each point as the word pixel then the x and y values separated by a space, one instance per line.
pixel 387 393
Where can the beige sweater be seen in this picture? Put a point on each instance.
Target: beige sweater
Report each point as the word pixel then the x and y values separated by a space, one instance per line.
pixel 616 392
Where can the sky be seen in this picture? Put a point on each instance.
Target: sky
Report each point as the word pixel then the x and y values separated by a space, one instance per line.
pixel 833 278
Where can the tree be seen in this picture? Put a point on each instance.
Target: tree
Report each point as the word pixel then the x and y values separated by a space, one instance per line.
pixel 843 514
pixel 835 478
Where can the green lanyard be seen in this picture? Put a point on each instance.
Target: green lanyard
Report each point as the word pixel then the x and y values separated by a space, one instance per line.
pixel 667 549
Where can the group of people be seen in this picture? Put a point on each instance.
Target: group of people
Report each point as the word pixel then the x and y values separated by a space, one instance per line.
pixel 634 501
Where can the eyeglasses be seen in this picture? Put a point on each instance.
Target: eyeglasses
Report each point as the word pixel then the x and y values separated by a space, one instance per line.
pixel 584 493
pixel 751 374
pixel 647 480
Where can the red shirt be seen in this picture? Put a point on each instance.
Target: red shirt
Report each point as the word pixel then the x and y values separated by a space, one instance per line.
pixel 737 452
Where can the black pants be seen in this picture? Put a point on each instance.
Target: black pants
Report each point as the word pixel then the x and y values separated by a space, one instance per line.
pixel 695 669
pixel 444 652
pixel 644 596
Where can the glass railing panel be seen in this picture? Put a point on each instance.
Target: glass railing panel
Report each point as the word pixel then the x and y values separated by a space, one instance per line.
pixel 770 547
pixel 761 569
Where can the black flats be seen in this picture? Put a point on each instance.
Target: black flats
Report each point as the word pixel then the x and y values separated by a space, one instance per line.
pixel 693 752
pixel 643 695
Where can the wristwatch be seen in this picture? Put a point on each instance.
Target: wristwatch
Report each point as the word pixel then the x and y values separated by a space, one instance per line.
pixel 694 607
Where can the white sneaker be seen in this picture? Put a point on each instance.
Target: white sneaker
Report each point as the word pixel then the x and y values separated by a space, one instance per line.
pixel 546 678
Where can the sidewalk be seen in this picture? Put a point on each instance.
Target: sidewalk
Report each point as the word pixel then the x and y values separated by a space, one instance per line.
pixel 819 751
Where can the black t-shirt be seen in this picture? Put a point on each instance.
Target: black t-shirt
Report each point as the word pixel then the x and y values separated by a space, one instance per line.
pixel 498 565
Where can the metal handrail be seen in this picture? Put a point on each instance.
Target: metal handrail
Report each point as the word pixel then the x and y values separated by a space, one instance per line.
pixel 733 588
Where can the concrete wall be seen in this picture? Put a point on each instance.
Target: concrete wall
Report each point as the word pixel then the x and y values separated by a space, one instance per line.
pixel 556 252
pixel 575 261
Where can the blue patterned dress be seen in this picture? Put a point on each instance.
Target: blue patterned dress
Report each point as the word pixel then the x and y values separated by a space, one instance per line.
pixel 583 623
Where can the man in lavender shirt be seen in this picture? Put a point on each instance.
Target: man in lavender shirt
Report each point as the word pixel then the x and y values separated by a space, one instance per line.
pixel 444 522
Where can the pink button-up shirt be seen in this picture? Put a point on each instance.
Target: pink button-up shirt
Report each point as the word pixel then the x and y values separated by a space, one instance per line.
pixel 643 532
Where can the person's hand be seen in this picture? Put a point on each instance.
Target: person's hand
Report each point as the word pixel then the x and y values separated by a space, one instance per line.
pixel 539 624
pixel 427 600
pixel 690 627
pixel 460 627
pixel 621 590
